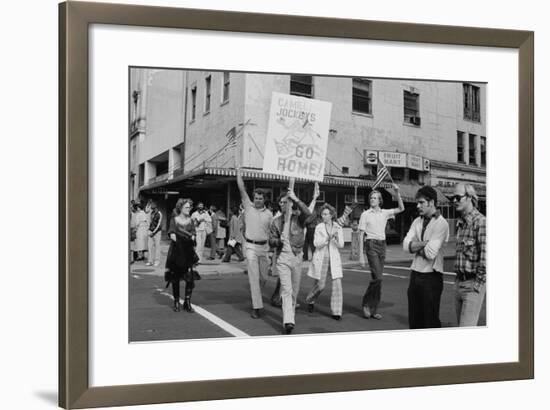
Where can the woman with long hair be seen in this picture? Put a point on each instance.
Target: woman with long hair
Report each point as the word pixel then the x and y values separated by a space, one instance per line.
pixel 181 254
pixel 328 239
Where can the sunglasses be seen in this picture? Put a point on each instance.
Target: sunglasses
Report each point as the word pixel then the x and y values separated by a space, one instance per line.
pixel 457 198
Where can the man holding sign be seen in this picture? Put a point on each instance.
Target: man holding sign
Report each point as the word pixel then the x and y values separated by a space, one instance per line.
pixel 288 241
pixel 296 141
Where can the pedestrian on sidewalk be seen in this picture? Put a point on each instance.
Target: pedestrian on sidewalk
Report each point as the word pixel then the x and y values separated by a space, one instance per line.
pixel 470 266
pixel 181 254
pixel 425 239
pixel 154 235
pixel 203 224
pixel 288 250
pixel 221 233
pixel 257 219
pixel 212 236
pixel 142 229
pixel 328 239
pixel 372 242
pixel 234 245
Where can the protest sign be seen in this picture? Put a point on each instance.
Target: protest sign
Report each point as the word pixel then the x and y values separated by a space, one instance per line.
pixel 297 136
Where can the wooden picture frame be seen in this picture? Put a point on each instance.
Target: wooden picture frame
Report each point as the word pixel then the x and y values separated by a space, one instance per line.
pixel 74 21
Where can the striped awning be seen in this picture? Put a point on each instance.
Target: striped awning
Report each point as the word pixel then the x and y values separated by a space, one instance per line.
pixel 259 174
pixel 201 174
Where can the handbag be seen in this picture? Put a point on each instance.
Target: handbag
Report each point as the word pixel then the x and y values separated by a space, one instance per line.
pixel 232 242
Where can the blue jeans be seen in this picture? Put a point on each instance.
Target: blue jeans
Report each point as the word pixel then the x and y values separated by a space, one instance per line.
pixel 375 250
pixel 468 302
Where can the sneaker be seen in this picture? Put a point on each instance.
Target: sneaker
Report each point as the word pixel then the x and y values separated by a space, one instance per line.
pixel 289 327
pixel 255 314
pixel 149 264
pixel 310 307
pixel 157 263
pixel 337 317
pixel 366 312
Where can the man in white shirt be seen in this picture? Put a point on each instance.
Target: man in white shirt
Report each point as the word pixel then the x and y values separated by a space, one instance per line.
pixel 425 239
pixel 202 222
pixel 372 227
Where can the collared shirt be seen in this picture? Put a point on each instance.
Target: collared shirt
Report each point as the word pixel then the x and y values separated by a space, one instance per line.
pixel 471 244
pixel 296 233
pixel 256 221
pixel 373 222
pixel 436 231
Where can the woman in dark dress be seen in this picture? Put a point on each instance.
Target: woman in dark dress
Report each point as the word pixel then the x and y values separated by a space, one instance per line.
pixel 181 254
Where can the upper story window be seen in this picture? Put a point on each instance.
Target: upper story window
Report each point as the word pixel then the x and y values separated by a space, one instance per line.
pixel 362 96
pixel 483 146
pixel 193 103
pixel 460 147
pixel 411 114
pixel 225 91
pixel 472 149
pixel 301 85
pixel 207 93
pixel 471 102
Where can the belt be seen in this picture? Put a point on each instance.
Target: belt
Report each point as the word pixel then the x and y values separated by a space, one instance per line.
pixel 255 242
pixel 465 276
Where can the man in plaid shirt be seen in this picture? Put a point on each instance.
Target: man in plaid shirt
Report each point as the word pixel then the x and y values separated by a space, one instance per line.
pixel 470 256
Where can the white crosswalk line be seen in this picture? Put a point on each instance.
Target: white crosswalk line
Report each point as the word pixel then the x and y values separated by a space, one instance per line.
pixel 232 330
pixel 398 276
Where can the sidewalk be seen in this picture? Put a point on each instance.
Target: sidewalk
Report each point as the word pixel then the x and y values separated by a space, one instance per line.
pixel 216 268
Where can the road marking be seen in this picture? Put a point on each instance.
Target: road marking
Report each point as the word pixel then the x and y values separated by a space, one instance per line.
pixel 232 330
pixel 399 268
pixel 398 276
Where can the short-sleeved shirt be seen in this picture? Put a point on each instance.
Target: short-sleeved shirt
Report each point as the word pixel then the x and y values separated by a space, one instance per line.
pixel 256 222
pixel 373 223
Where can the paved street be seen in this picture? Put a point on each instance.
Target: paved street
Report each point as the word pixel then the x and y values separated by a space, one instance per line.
pixel 222 303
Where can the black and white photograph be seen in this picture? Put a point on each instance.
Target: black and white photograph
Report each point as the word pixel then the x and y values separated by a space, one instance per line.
pixel 278 204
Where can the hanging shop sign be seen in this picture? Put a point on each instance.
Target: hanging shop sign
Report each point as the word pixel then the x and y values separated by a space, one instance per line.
pixel 393 159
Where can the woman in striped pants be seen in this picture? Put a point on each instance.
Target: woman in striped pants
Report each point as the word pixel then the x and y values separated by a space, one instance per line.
pixel 328 238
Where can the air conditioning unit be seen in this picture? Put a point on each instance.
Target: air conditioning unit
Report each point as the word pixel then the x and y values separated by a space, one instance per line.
pixel 414 120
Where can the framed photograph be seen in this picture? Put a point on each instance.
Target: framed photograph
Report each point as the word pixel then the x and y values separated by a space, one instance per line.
pixel 178 241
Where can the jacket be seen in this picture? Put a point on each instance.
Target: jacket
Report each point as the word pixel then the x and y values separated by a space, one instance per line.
pixel 322 246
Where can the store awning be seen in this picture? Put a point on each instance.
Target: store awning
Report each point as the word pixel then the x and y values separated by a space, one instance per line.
pixel 208 174
pixel 408 193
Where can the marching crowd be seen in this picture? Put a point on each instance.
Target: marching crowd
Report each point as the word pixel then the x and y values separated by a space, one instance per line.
pixel 278 240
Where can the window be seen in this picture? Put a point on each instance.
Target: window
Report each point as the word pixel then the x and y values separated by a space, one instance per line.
pixel 397 174
pixel 161 168
pixel 471 102
pixel 225 92
pixel 460 146
pixel 411 109
pixel 141 176
pixel 301 85
pixel 483 143
pixel 193 103
pixel 362 96
pixel 414 175
pixel 207 93
pixel 472 149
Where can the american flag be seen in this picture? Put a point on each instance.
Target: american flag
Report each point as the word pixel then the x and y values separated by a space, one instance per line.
pixel 231 138
pixel 381 175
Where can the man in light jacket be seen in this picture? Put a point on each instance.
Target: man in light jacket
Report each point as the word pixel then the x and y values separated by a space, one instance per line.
pixel 425 239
